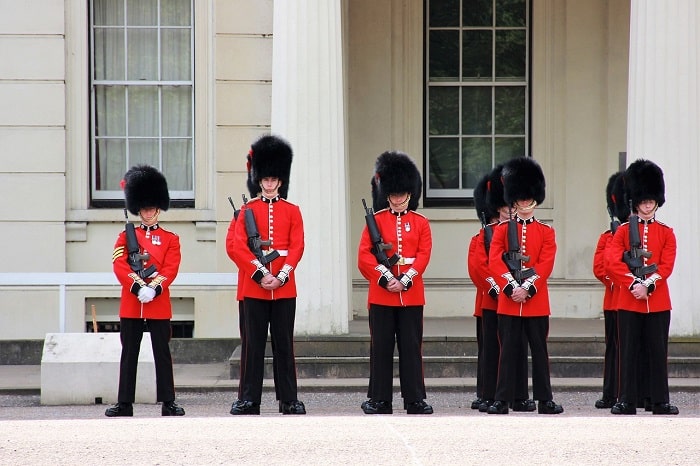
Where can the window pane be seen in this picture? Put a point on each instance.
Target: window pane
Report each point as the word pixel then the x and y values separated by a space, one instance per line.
pixel 111 163
pixel 509 148
pixel 444 110
pixel 109 54
pixel 177 164
pixel 510 54
pixel 142 60
pixel 444 56
pixel 477 13
pixel 108 12
pixel 177 111
pixel 175 12
pixel 176 55
pixel 476 110
pixel 510 110
pixel 444 163
pixel 477 55
pixel 142 12
pixel 443 13
pixel 476 160
pixel 110 111
pixel 510 13
pixel 143 111
pixel 143 151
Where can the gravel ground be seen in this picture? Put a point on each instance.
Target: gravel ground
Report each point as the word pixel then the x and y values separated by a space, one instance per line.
pixel 216 403
pixel 336 432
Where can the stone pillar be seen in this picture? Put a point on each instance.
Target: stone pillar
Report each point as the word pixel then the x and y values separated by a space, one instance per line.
pixel 662 126
pixel 308 110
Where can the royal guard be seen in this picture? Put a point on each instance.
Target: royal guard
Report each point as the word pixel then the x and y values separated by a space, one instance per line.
pixel 475 269
pixel 145 275
pixel 494 209
pixel 610 364
pixel 640 258
pixel 394 266
pixel 267 245
pixel 521 259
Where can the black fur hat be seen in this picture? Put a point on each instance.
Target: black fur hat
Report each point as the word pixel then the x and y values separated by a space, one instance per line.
pixel 644 180
pixel 484 210
pixel 523 179
pixel 269 156
pixel 494 190
pixel 395 173
pixel 145 186
pixel 609 193
pixel 622 208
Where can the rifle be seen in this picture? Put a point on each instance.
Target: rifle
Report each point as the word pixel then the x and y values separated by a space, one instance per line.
pixel 235 211
pixel 634 258
pixel 255 244
pixel 134 257
pixel 613 223
pixel 488 233
pixel 513 258
pixel 378 245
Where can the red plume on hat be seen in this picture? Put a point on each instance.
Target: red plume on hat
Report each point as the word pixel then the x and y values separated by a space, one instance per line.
pixel 144 186
pixel 484 210
pixel 610 194
pixel 494 189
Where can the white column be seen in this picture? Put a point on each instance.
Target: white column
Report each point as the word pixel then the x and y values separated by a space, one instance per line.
pixel 663 126
pixel 308 110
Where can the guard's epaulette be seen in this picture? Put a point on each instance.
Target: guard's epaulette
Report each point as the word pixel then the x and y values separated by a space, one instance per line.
pixel 419 214
pixel 542 223
pixel 494 224
pixel 385 208
pixel 662 224
pixel 165 230
pixel 254 199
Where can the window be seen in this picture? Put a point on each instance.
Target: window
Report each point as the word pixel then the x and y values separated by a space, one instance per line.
pixel 141 94
pixel 476 91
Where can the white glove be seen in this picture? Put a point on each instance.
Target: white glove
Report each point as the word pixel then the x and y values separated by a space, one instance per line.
pixel 146 294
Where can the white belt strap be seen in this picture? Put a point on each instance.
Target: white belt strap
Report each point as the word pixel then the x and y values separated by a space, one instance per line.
pixel 407 260
pixel 281 252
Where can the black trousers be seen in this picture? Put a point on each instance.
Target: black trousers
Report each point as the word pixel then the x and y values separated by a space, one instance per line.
pixel 131 334
pixel 479 358
pixel 637 331
pixel 512 330
pixel 277 316
pixel 403 327
pixel 241 332
pixel 491 356
pixel 611 364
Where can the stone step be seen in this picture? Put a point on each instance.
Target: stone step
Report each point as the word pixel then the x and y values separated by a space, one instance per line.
pixel 455 366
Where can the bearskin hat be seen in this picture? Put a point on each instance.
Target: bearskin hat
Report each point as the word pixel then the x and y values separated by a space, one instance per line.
pixel 523 179
pixel 644 180
pixel 144 186
pixel 622 208
pixel 269 156
pixel 395 173
pixel 484 210
pixel 494 190
pixel 610 194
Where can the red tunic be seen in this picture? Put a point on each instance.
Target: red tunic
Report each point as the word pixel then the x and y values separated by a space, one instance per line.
pixel 658 239
pixel 279 221
pixel 473 275
pixel 483 271
pixel 415 243
pixel 164 248
pixel 538 242
pixel 600 271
